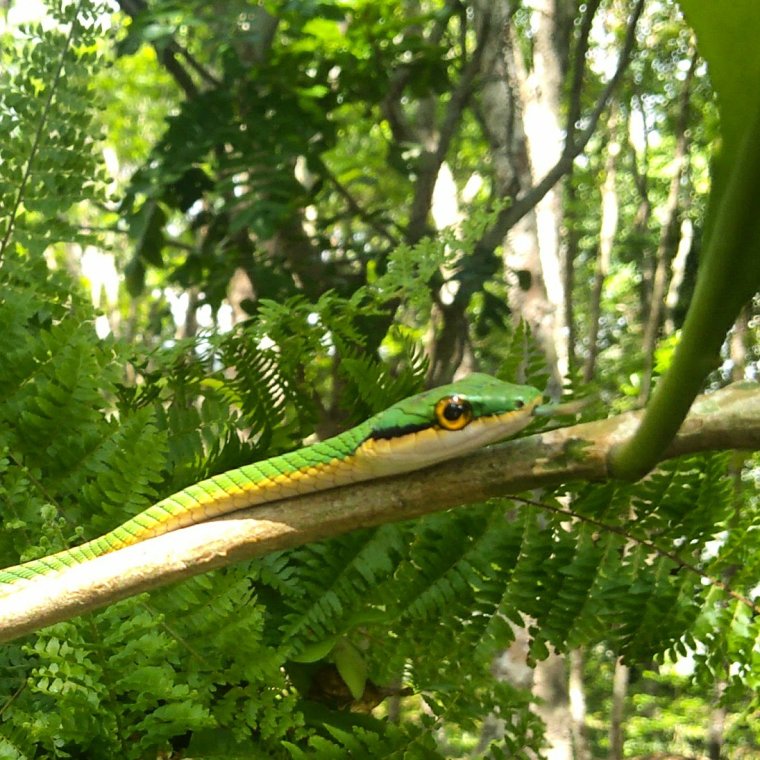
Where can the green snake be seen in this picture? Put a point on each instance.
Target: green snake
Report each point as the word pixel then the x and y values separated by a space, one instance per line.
pixel 417 432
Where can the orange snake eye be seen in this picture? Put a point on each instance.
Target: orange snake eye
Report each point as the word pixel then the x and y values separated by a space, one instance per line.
pixel 453 412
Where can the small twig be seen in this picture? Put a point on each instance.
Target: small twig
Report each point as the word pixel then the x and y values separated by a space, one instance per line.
pixel 642 542
pixel 13 697
pixel 181 640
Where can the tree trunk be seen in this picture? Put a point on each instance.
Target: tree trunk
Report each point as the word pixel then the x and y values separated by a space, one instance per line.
pixel 607 232
pixel 553 707
pixel 738 345
pixel 619 693
pixel 678 273
pixel 572 246
pixel 540 92
pixel 577 694
pixel 449 333
pixel 503 129
pixel 716 728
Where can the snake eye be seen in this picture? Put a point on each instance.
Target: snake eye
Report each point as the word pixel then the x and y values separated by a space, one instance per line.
pixel 453 412
pixel 519 403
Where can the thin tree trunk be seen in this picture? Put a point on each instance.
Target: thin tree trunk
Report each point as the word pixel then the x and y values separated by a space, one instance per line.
pixel 715 731
pixel 738 345
pixel 607 232
pixel 189 326
pixel 678 273
pixel 239 290
pixel 619 693
pixel 572 231
pixel 640 176
pixel 550 686
pixel 667 234
pixel 540 90
pixel 577 694
pixel 572 246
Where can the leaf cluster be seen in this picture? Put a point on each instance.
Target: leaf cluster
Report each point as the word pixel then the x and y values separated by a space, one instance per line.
pixel 46 129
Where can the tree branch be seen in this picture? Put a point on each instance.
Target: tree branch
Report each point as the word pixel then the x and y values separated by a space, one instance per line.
pixel 391 105
pixel 727 419
pixel 165 53
pixel 430 161
pixel 368 217
pixel 528 200
pixel 579 69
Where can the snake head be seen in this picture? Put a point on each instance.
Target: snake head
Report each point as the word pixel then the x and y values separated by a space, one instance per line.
pixel 448 421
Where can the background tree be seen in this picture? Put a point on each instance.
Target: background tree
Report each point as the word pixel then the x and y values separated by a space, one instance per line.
pixel 274 208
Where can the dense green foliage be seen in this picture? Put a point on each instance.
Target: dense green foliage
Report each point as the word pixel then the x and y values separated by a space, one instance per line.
pixel 286 655
pixel 249 651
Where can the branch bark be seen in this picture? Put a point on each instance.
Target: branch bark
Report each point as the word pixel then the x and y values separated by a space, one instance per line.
pixel 727 419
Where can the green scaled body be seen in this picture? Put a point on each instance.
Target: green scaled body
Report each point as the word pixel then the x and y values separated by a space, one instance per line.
pixel 417 432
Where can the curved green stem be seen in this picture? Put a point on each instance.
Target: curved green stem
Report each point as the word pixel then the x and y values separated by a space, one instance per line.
pixel 729 275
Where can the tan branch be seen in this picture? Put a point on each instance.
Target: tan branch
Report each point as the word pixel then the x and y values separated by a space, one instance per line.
pixel 727 419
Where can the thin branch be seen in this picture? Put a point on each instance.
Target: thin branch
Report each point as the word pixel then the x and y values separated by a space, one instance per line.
pixel 38 135
pixel 618 531
pixel 16 694
pixel 430 162
pixel 355 207
pixel 199 69
pixel 729 418
pixel 166 53
pixel 391 105
pixel 579 68
pixel 526 202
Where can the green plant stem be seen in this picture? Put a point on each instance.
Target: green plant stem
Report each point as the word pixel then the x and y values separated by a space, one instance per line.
pixel 728 277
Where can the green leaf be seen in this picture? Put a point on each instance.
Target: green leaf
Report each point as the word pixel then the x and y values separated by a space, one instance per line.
pixel 351 666
pixel 315 652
